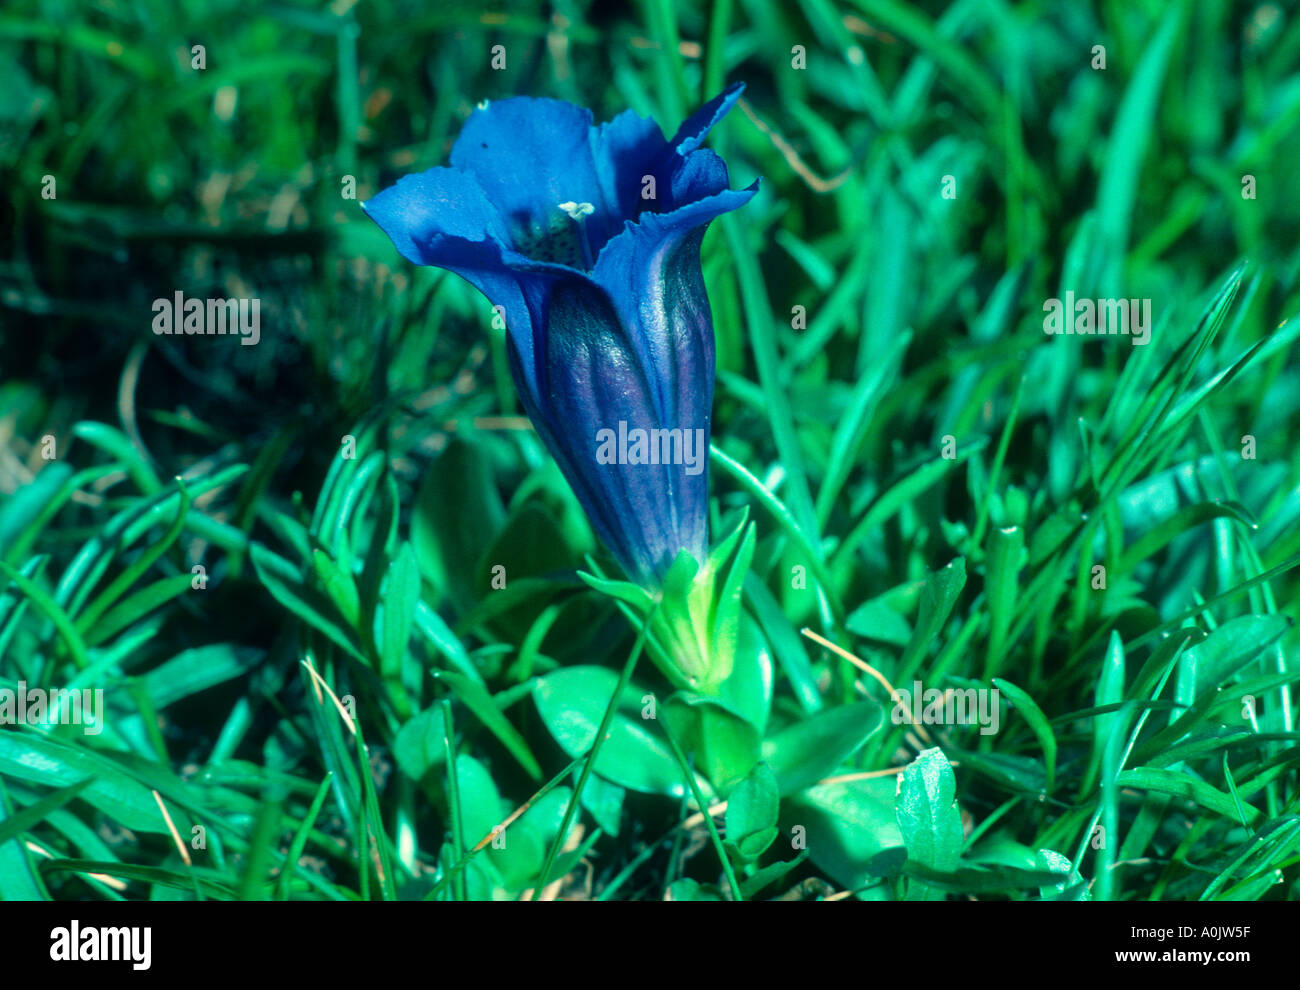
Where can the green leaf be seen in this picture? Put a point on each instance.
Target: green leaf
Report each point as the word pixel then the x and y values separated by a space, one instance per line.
pixel 748 689
pixel 604 802
pixel 927 812
pixel 572 703
pixel 624 591
pixel 35 813
pixel 340 587
pixel 803 753
pixel 877 620
pixel 752 810
pixel 418 746
pixel 477 699
pixel 1071 888
pixel 942 589
pixel 1224 652
pixel 849 828
pixel 1158 537
pixel 770 874
pixel 132 608
pixel 27 504
pixel 192 671
pixel 29 757
pixel 308 604
pixel 1110 691
pixel 785 642
pixel 481 807
pixel 687 889
pixel 725 745
pixel 445 641
pixel 1129 137
pixel 458 512
pixel 980 880
pixel 1181 784
pixel 210 881
pixel 1018 774
pixel 19 878
pixel 1038 723
pixel 520 851
pixel 1002 577
pixel 401 597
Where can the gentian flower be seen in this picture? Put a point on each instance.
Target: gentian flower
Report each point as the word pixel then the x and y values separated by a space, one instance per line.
pixel 587 239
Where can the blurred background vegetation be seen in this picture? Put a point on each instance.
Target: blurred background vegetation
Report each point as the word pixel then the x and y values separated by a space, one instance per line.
pixel 921 319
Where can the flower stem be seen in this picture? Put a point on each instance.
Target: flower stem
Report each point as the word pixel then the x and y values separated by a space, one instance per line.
pixel 624 678
pixel 704 809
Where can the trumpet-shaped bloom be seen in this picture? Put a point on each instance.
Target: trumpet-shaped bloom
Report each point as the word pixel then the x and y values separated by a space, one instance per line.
pixel 588 240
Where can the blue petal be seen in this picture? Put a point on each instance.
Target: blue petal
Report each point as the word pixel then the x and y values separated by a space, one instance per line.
pixel 652 274
pixel 442 217
pixel 630 148
pixel 698 176
pixel 644 272
pixel 625 150
pixel 429 216
pixel 529 155
pixel 594 381
pixel 693 132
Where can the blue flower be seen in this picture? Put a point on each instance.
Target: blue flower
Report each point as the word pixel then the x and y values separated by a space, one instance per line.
pixel 588 240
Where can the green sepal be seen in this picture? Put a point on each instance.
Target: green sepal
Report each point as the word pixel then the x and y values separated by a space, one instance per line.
pixel 695 628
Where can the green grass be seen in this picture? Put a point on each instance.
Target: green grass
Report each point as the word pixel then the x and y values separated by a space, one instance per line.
pixel 933 480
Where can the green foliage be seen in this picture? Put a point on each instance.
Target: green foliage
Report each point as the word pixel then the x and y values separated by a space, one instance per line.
pixel 348 619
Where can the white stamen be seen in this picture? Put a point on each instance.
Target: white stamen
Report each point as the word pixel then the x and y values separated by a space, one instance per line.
pixel 577 211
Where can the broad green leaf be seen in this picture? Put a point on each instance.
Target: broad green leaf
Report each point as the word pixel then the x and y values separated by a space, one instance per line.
pixel 418 746
pixel 572 703
pixel 481 807
pixel 849 828
pixel 1072 886
pixel 748 689
pixel 927 812
pixel 519 852
pixel 877 620
pixel 603 800
pixel 803 753
pixel 725 746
